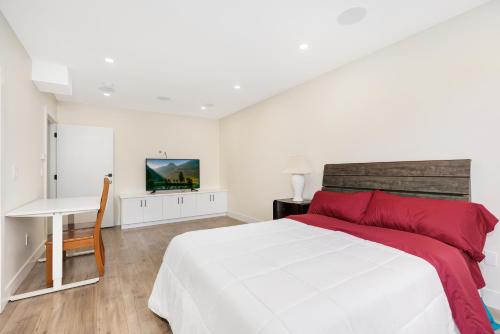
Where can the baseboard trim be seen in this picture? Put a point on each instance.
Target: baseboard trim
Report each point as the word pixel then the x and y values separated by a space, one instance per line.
pixel 22 273
pixel 491 298
pixel 169 221
pixel 242 217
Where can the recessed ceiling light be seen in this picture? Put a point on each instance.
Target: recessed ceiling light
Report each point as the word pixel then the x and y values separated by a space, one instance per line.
pixel 237 87
pixel 163 98
pixel 352 16
pixel 304 46
pixel 107 89
pixel 109 60
pixel 207 106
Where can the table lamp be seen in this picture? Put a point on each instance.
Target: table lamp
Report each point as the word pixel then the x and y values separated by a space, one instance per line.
pixel 298 167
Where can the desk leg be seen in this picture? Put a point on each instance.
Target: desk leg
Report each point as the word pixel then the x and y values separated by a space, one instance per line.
pixel 57 269
pixel 57 249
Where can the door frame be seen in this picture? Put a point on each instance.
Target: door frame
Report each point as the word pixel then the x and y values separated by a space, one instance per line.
pixel 48 150
pixel 3 297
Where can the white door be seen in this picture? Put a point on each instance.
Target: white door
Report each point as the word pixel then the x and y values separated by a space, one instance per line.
pixel 84 158
pixel 153 209
pixel 188 205
pixel 172 207
pixel 132 212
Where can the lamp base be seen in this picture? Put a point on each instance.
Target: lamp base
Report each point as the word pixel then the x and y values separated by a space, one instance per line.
pixel 298 187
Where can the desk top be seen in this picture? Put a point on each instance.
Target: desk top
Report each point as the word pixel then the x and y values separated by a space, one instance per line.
pixel 51 206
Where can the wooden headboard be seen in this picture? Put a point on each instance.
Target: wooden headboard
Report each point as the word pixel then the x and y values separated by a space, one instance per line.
pixel 441 179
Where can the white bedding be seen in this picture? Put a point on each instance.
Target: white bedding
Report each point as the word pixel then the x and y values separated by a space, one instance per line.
pixel 287 277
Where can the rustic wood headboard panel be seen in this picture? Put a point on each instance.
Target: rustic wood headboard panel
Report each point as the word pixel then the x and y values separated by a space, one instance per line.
pixel 441 179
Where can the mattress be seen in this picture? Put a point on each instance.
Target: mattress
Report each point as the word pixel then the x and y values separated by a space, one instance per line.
pixel 287 277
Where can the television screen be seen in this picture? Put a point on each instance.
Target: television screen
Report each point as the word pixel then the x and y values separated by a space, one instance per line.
pixel 169 174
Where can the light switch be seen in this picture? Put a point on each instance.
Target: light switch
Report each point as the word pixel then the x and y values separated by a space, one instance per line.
pixel 14 172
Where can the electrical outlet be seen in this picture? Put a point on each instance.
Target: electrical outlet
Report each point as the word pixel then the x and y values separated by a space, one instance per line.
pixel 491 258
pixel 26 239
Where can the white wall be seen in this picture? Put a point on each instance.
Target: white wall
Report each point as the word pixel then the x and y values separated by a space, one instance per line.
pixel 139 135
pixel 23 143
pixel 433 96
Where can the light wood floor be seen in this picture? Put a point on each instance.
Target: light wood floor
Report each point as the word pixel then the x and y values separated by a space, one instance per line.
pixel 118 303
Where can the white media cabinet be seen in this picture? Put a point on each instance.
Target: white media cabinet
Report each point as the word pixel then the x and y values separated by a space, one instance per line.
pixel 141 210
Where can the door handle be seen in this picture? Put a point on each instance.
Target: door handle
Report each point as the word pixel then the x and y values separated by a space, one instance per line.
pixel 145 203
pixel 182 200
pixel 141 203
pixel 178 199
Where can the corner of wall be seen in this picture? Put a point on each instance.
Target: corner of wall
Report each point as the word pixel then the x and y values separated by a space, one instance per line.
pixel 22 273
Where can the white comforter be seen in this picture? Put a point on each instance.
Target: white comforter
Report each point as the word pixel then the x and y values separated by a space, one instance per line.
pixel 287 277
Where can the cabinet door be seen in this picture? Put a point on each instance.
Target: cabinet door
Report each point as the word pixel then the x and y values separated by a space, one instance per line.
pixel 132 211
pixel 219 201
pixel 188 205
pixel 171 207
pixel 204 203
pixel 153 209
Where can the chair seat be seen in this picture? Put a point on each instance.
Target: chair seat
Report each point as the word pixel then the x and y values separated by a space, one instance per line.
pixel 74 235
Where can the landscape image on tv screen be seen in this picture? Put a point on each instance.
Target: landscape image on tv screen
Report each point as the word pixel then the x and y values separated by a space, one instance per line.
pixel 169 174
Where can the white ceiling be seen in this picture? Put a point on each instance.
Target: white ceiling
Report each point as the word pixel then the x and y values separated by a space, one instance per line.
pixel 195 51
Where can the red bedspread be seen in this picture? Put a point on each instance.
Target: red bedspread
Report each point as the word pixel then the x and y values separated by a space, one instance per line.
pixel 459 275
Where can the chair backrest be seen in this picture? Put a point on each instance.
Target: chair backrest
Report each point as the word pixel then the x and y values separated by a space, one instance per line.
pixel 102 208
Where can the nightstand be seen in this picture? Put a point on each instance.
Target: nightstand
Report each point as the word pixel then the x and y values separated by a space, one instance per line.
pixel 286 207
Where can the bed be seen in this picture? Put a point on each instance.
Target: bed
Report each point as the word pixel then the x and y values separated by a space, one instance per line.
pixel 317 274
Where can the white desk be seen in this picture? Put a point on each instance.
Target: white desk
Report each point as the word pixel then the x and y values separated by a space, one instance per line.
pixel 56 208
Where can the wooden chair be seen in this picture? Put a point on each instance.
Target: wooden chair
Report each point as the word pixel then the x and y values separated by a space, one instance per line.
pixel 82 238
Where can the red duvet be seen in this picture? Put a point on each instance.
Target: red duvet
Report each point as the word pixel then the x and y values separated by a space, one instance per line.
pixel 459 274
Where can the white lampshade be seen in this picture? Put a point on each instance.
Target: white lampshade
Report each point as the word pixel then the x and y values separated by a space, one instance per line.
pixel 297 165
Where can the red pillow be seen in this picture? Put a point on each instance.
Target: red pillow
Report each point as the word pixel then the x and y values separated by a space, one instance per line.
pixel 345 206
pixel 461 224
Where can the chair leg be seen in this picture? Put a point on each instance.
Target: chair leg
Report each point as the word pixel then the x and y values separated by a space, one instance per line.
pixel 99 258
pixel 71 222
pixel 48 265
pixel 103 251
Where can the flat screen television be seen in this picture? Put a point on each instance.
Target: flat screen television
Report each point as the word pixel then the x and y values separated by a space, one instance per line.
pixel 171 174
